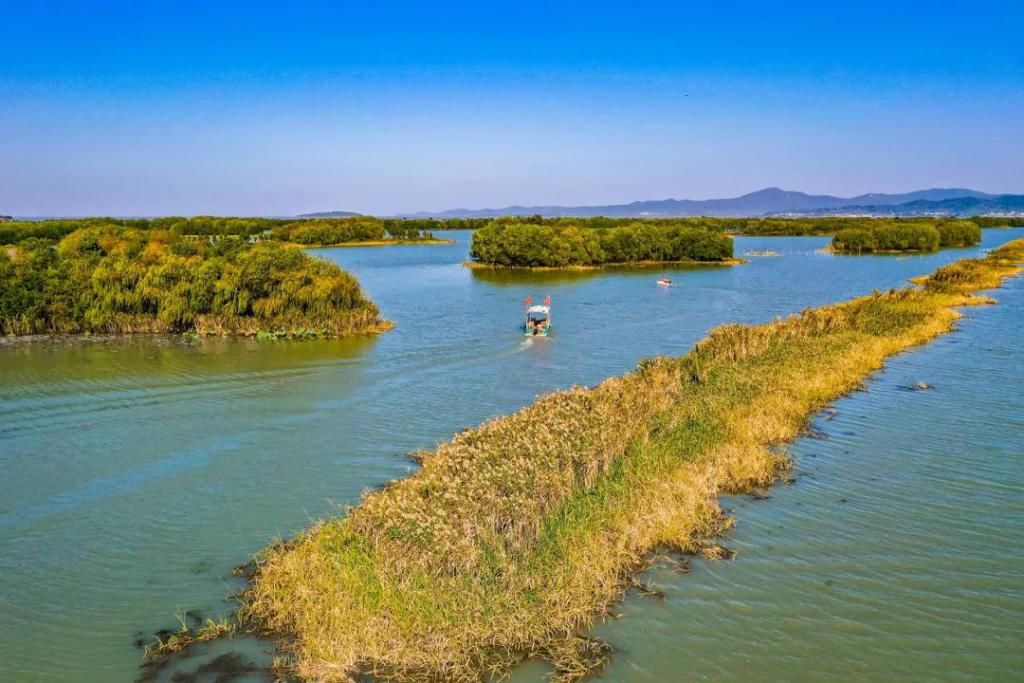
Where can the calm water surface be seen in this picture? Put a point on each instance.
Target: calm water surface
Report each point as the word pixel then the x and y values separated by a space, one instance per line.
pixel 137 473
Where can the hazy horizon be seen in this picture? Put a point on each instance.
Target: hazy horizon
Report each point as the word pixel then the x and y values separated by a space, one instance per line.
pixel 257 109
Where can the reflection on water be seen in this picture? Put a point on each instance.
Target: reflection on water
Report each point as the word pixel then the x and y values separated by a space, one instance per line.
pixel 517 277
pixel 138 472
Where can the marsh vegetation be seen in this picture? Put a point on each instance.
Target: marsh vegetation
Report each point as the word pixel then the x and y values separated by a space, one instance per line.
pixel 114 279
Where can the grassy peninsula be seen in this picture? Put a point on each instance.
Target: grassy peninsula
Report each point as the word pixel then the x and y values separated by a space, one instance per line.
pixel 520 244
pixel 112 279
pixel 517 534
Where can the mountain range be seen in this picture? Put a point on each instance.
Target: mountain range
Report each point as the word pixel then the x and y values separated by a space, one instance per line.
pixel 770 201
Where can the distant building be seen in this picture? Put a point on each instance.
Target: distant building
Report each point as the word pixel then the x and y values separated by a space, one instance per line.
pixel 5 219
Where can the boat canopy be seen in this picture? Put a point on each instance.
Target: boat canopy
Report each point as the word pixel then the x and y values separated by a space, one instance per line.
pixel 542 310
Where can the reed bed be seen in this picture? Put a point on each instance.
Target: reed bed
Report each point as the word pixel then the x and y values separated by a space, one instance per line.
pixel 516 535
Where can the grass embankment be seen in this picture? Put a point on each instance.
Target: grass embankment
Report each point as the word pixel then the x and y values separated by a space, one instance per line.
pixel 517 534
pixel 114 280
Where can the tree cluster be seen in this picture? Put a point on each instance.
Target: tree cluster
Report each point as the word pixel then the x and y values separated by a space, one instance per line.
pixel 894 236
pixel 999 221
pixel 506 242
pixel 113 279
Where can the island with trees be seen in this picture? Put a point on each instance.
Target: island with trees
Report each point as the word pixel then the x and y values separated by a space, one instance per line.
pixel 516 243
pixel 113 279
pixel 538 242
pixel 887 236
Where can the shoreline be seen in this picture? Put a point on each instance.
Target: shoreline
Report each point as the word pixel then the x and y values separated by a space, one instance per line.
pixel 367 243
pixel 829 249
pixel 477 265
pixel 15 340
pixel 497 550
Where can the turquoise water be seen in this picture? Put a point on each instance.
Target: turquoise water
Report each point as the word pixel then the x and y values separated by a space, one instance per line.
pixel 138 472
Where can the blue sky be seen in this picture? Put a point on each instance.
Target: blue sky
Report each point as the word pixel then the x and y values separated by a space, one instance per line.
pixel 150 108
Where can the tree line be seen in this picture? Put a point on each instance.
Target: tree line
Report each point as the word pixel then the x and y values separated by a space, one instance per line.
pixel 117 279
pixel 327 231
pixel 999 221
pixel 516 243
pixel 321 231
pixel 892 236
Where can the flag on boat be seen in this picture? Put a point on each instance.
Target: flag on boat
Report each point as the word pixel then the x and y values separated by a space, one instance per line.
pixel 528 301
pixel 547 300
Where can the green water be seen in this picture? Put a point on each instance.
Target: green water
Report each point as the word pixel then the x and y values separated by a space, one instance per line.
pixel 137 473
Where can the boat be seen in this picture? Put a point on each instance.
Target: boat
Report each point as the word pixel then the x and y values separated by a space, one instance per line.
pixel 538 318
pixel 664 281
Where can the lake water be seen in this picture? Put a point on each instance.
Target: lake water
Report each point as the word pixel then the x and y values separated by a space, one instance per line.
pixel 136 473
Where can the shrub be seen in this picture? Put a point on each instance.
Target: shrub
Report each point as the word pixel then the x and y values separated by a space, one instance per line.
pixel 854 240
pixel 958 234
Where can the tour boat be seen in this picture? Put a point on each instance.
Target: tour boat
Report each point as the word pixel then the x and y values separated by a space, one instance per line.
pixel 665 281
pixel 538 318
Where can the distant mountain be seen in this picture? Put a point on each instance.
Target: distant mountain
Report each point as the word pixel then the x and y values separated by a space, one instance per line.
pixel 329 214
pixel 954 206
pixel 769 201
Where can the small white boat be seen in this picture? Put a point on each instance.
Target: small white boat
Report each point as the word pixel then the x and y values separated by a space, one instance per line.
pixel 538 318
pixel 664 281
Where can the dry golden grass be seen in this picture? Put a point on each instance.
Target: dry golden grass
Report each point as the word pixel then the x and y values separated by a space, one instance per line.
pixel 516 535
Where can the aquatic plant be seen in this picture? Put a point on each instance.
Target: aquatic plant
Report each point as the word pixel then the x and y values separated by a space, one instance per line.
pixel 186 635
pixel 516 535
pixel 111 279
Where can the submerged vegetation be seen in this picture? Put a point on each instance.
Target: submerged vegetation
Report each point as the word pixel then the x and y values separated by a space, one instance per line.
pixel 110 279
pixel 517 534
pixel 897 236
pixel 522 244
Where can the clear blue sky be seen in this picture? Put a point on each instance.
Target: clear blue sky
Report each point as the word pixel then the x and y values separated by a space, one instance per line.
pixel 179 107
